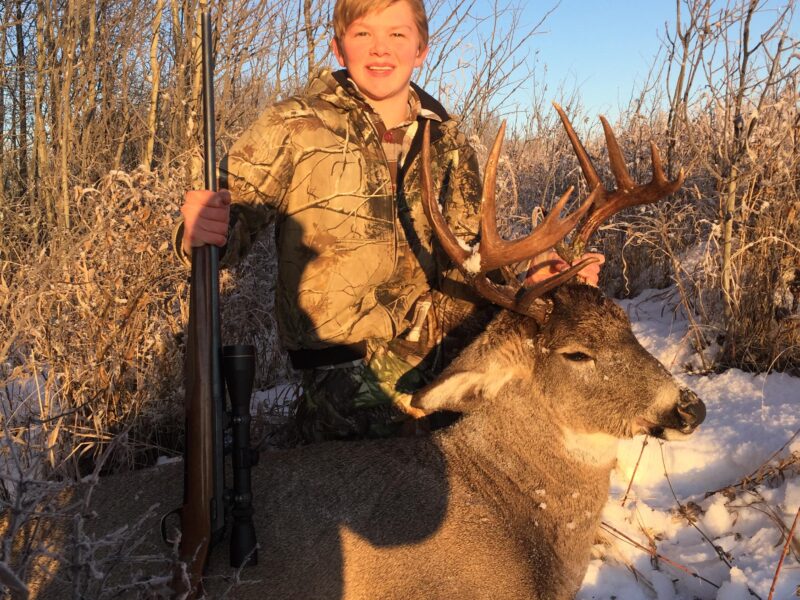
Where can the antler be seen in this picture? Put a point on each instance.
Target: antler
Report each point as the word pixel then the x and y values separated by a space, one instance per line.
pixel 627 193
pixel 494 252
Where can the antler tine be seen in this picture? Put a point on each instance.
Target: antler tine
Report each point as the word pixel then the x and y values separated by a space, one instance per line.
pixel 489 235
pixel 500 295
pixel 626 194
pixel 658 171
pixel 496 252
pixel 631 195
pixel 616 160
pixel 589 172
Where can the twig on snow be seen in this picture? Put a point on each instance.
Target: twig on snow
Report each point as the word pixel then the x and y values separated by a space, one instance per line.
pixel 783 554
pixel 619 535
pixel 635 469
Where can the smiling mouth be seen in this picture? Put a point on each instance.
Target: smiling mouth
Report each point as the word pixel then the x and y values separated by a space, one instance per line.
pixel 377 69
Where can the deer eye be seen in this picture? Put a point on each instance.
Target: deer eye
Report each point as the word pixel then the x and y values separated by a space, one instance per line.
pixel 577 356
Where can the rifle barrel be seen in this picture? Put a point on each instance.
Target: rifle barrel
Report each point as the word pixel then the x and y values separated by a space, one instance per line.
pixel 202 514
pixel 217 384
pixel 209 130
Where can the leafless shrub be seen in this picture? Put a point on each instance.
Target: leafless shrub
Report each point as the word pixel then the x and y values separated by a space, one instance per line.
pixel 98 322
pixel 47 531
pixel 99 314
pixel 92 376
pixel 248 311
pixel 729 240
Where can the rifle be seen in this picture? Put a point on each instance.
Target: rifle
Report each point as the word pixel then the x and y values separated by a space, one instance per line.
pixel 207 503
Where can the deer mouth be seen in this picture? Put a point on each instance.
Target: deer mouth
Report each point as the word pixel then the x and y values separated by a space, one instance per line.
pixel 679 424
pixel 643 426
pixel 660 431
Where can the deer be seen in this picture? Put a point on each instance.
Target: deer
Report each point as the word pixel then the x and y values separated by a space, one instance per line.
pixel 505 502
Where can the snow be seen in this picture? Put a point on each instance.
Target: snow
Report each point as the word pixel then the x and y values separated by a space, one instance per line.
pixel 738 534
pixel 473 264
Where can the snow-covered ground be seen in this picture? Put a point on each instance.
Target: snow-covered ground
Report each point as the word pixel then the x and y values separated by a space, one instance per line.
pixel 734 546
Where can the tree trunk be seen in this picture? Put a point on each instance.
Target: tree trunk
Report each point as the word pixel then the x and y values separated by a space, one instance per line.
pixel 68 44
pixel 310 42
pixel 737 150
pixel 22 157
pixel 3 42
pixel 39 134
pixel 193 121
pixel 155 80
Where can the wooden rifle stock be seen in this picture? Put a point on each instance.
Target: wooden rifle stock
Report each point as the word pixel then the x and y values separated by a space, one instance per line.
pixel 202 513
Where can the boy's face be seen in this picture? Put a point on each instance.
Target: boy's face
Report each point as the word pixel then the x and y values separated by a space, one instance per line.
pixel 380 51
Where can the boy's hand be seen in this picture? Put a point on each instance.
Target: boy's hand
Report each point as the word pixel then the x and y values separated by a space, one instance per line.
pixel 549 264
pixel 205 218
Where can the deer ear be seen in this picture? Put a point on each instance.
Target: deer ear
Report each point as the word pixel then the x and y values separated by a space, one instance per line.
pixel 460 391
pixel 457 391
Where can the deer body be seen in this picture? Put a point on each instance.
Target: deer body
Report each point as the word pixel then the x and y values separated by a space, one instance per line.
pixel 503 504
pixel 408 519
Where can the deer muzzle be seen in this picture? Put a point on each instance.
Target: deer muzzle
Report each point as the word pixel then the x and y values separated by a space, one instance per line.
pixel 678 421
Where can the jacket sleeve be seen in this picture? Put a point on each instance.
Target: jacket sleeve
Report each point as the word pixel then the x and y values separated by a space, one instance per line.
pixel 257 170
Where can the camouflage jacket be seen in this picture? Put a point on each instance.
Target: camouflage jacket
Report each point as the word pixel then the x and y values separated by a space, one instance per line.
pixel 354 256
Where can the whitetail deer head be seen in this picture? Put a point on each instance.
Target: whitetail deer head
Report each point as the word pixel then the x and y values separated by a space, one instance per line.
pixel 583 359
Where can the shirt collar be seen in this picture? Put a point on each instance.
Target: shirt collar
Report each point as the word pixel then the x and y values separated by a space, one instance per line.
pixel 415 108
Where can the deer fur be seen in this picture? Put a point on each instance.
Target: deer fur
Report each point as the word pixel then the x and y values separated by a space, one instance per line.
pixel 503 504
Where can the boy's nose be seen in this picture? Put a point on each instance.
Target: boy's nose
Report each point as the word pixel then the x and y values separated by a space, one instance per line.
pixel 379 46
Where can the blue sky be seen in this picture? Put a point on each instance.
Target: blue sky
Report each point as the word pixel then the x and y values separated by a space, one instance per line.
pixel 603 48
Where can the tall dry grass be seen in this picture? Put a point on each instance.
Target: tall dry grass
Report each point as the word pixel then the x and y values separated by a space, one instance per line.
pixel 92 376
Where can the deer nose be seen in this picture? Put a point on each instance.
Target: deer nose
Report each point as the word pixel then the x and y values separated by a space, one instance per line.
pixel 691 410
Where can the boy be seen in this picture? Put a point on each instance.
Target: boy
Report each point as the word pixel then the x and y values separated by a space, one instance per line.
pixel 338 168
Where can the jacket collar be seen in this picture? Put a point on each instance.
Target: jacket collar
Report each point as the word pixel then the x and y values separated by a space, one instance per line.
pixel 340 90
pixel 335 87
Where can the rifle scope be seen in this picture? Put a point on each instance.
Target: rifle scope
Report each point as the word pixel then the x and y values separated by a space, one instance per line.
pixel 239 368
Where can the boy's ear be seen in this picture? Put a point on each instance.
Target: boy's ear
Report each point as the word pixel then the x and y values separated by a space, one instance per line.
pixel 337 52
pixel 421 55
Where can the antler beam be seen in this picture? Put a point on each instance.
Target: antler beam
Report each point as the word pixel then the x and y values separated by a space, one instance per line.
pixel 493 251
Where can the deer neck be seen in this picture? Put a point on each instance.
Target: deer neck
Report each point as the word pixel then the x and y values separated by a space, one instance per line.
pixel 594 449
pixel 543 485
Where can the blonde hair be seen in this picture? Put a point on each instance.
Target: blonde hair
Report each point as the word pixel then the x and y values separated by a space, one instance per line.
pixel 347 11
